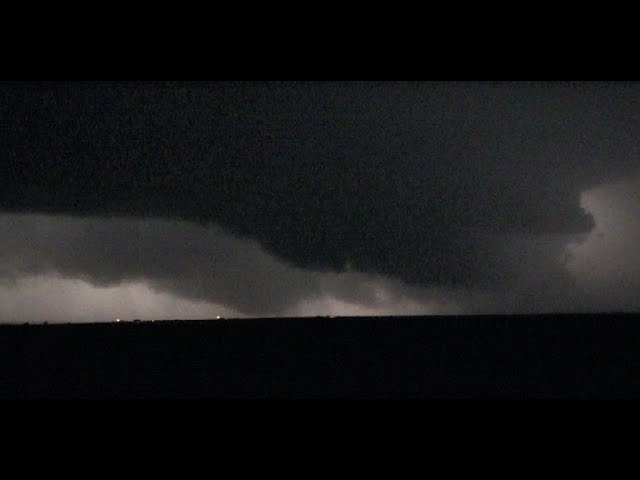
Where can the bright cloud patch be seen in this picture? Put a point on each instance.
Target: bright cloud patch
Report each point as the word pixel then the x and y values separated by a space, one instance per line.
pixel 606 265
pixel 54 299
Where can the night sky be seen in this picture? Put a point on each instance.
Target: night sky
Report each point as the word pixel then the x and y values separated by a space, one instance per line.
pixel 203 199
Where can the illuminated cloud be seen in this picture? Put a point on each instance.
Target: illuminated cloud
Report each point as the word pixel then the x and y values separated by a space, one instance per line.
pixel 606 264
pixel 54 299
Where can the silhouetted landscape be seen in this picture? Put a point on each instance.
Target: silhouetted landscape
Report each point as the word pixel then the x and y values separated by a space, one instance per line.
pixel 539 356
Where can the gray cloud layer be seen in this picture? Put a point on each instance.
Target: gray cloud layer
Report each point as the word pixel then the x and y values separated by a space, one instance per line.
pixel 192 261
pixel 184 263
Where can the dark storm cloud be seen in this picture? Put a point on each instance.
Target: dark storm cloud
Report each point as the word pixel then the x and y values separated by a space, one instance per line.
pixel 184 259
pixel 398 179
pixel 59 267
pixel 63 268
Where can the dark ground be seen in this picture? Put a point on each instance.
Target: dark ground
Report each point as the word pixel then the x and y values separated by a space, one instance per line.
pixel 364 357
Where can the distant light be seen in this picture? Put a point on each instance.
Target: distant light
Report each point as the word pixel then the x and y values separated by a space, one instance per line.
pixel 218 317
pixel 117 319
